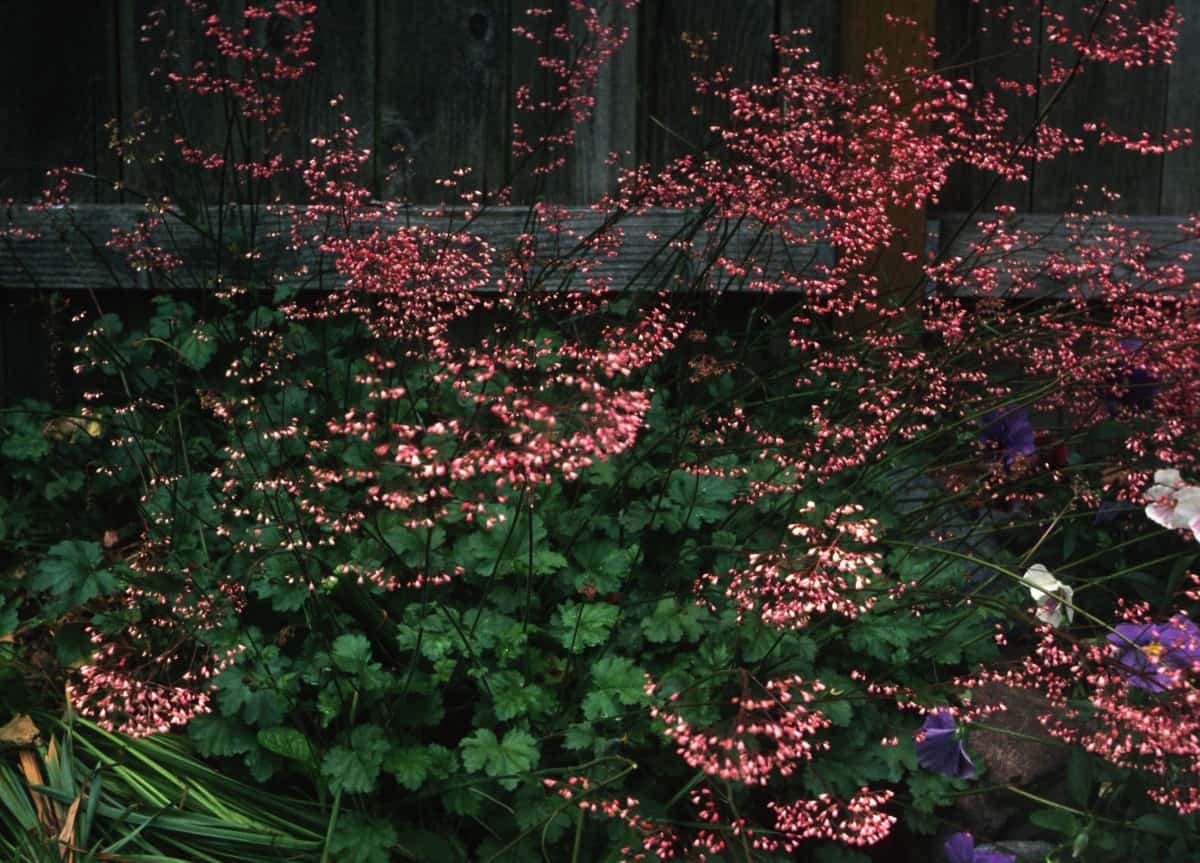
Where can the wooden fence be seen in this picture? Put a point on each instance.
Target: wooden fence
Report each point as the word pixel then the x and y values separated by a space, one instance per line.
pixel 431 84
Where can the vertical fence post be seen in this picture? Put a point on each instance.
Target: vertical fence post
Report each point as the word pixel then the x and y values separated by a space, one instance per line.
pixel 864 27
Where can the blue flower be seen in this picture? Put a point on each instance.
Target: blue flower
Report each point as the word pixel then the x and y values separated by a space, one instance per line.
pixel 938 747
pixel 1010 432
pixel 960 848
pixel 1156 656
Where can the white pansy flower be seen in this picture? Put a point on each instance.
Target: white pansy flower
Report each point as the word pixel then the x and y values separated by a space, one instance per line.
pixel 1049 593
pixel 1187 505
pixel 1173 504
pixel 1168 477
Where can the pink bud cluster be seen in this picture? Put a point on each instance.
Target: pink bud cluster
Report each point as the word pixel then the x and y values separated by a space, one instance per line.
pixel 828 574
pixel 157 674
pixel 858 821
pixel 1158 735
pixel 767 736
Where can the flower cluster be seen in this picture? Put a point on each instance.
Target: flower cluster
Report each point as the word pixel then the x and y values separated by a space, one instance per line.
pixel 156 674
pixel 788 587
pixel 372 438
pixel 1159 737
pixel 767 736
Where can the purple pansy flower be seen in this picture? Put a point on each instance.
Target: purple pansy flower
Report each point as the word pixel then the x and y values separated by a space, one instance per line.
pixel 1154 656
pixel 960 848
pixel 1010 432
pixel 939 749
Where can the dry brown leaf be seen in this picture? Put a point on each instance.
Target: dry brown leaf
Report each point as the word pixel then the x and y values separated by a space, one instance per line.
pixel 66 836
pixel 32 771
pixel 19 731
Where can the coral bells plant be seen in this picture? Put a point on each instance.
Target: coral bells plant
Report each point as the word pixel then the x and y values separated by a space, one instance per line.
pixel 498 548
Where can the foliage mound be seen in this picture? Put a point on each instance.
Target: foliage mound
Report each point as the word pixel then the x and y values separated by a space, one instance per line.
pixel 502 549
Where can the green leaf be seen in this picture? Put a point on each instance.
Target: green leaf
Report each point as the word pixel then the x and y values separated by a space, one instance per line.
pixel 1160 825
pixel 1079 777
pixel 351 653
pixel 410 765
pixel 579 736
pixel 218 735
pixel 539 809
pixel 1057 820
pixel 198 346
pixel 427 845
pixel 840 713
pixel 546 560
pixel 72 572
pixel 724 539
pixel 517 754
pixel 25 442
pixel 513 697
pixel 8 616
pixel 330 703
pixel 63 486
pixel 287 742
pixel 693 499
pixel 355 768
pixel 578 627
pixel 617 682
pixel 462 801
pixel 670 623
pixel 360 839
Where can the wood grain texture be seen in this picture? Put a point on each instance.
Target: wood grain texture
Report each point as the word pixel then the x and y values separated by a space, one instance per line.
pixel 60 89
pixel 1160 233
pixel 1128 100
pixel 344 49
pixel 71 255
pixel 977 47
pixel 441 94
pixel 865 28
pixel 1181 169
pixel 822 17
pixel 524 70
pixel 612 127
pixel 668 125
pixel 144 94
pixel 613 124
pixel 74 257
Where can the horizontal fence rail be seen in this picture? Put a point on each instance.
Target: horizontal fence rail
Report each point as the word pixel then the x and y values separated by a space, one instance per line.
pixel 1045 240
pixel 68 248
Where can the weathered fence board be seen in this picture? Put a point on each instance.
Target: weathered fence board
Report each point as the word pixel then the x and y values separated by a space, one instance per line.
pixel 347 55
pixel 979 48
pixel 822 18
pixel 1160 233
pixel 72 255
pixel 734 34
pixel 613 124
pixel 59 92
pixel 437 79
pixel 442 95
pixel 1181 169
pixel 1127 100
